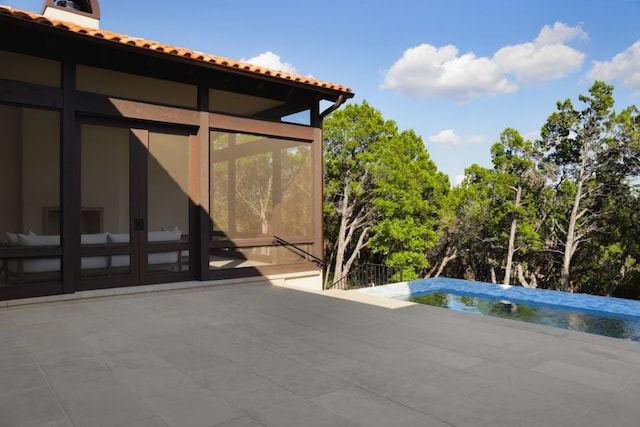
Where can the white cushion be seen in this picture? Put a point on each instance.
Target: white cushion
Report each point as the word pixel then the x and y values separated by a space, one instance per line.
pixel 119 261
pixel 165 235
pixel 12 238
pixel 87 263
pixel 93 239
pixel 118 238
pixel 37 265
pixel 33 240
pixel 163 258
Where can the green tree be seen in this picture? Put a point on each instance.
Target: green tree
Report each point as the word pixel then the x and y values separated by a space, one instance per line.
pixel 409 193
pixel 594 155
pixel 382 193
pixel 352 136
pixel 515 167
pixel 473 227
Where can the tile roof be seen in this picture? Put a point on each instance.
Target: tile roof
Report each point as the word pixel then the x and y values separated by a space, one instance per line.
pixel 169 50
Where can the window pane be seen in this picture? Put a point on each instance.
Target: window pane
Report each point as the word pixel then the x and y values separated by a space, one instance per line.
pixel 168 198
pixel 29 188
pixel 105 197
pixel 254 195
pixel 297 189
pixel 260 186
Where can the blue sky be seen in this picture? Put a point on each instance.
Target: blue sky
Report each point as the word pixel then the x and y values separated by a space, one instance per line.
pixel 457 72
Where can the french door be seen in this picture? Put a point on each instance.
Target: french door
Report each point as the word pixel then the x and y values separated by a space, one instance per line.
pixel 136 188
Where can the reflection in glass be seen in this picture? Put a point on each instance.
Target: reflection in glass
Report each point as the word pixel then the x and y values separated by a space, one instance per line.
pixel 220 198
pixel 104 175
pixel 168 199
pixel 254 193
pixel 260 186
pixel 29 186
pixel 297 215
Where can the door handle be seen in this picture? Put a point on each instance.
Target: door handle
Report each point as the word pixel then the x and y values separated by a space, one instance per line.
pixel 139 224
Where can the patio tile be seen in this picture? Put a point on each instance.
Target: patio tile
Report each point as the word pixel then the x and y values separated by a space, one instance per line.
pixel 49 337
pixel 236 356
pixel 305 381
pixel 366 408
pixel 245 421
pixel 277 407
pixel 509 375
pixel 14 353
pixel 103 400
pixel 455 408
pixel 584 376
pixel 424 421
pixel 149 422
pixel 199 408
pixel 35 407
pixel 452 359
pixel 599 404
pixel 184 354
pixel 177 398
pixel 230 380
pixel 513 402
pixel 21 378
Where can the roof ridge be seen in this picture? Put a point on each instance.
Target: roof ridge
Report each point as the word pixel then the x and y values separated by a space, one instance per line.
pixel 168 49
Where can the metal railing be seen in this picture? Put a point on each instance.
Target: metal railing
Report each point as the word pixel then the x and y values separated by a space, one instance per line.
pixel 368 275
pixel 279 241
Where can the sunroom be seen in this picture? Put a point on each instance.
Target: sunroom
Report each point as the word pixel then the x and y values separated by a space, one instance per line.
pixel 127 162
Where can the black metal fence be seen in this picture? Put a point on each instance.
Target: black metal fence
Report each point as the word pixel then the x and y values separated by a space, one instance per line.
pixel 368 275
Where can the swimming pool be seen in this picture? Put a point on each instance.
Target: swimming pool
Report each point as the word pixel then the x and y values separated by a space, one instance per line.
pixel 614 317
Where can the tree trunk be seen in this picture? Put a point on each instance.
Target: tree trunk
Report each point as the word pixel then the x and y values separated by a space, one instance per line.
pixel 619 277
pixel 522 279
pixel 341 245
pixel 443 263
pixel 512 240
pixel 571 242
pixel 492 270
pixel 350 224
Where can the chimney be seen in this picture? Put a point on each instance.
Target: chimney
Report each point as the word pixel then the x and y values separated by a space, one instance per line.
pixel 81 12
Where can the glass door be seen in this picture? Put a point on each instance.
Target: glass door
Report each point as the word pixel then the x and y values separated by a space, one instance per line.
pixel 135 206
pixel 168 205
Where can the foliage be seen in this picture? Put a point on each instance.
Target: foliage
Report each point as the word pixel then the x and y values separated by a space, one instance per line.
pixel 381 192
pixel 559 212
pixel 595 155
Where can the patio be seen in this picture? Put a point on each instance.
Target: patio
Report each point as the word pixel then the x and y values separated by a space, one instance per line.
pixel 263 355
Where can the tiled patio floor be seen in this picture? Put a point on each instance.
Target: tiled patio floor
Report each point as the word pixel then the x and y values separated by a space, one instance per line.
pixel 261 355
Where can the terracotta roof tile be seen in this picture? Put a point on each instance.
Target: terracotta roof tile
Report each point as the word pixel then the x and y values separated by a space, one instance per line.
pixel 168 49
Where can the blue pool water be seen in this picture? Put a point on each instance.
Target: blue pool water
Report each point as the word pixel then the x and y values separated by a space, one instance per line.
pixel 614 317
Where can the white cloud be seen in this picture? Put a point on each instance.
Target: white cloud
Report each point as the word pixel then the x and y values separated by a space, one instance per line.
pixel 430 71
pixel 546 58
pixel 272 61
pixel 624 66
pixel 446 137
pixel 458 179
pixel 451 138
pixel 559 33
pixel 426 70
